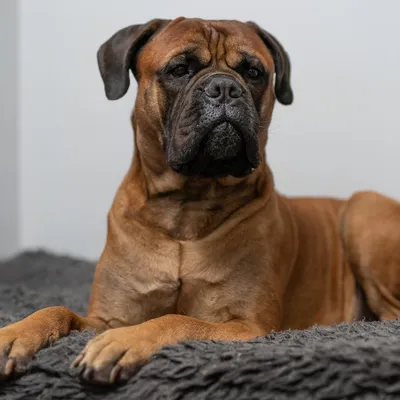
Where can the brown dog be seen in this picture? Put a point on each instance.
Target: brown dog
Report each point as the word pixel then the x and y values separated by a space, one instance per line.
pixel 200 245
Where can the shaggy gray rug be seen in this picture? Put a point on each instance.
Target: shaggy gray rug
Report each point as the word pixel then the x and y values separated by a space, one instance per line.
pixel 360 360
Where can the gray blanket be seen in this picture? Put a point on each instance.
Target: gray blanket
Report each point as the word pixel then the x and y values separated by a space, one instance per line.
pixel 359 360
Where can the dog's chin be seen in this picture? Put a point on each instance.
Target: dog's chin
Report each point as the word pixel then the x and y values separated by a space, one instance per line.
pixel 235 167
pixel 222 153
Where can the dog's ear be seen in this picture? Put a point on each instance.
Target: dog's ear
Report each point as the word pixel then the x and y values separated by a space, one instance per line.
pixel 119 54
pixel 283 90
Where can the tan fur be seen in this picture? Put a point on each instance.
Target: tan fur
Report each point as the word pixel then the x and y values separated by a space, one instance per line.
pixel 229 258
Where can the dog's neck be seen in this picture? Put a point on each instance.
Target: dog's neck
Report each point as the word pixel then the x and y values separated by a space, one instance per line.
pixel 187 208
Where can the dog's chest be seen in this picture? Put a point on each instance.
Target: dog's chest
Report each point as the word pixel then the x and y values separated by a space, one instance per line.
pixel 205 300
pixel 214 284
pixel 210 278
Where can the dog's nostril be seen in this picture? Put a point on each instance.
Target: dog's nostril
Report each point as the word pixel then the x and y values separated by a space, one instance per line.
pixel 213 90
pixel 235 91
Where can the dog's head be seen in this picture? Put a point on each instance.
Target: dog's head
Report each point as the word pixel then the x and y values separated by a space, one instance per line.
pixel 206 88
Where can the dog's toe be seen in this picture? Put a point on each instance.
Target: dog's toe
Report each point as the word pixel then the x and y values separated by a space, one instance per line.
pixel 15 356
pixel 99 361
pixel 115 355
pixel 107 362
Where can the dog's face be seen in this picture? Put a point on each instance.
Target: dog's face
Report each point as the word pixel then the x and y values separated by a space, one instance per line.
pixel 206 88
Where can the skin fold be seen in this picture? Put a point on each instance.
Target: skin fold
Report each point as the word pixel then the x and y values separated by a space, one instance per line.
pixel 200 245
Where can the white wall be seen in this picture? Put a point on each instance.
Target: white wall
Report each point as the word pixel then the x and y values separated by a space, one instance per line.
pixel 8 129
pixel 341 134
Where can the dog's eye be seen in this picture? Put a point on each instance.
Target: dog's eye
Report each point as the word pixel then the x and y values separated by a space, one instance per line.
pixel 253 73
pixel 180 70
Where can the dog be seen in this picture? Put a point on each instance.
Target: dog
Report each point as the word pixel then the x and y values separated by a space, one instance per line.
pixel 200 245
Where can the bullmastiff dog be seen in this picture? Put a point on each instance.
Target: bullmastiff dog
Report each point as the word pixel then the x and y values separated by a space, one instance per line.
pixel 200 245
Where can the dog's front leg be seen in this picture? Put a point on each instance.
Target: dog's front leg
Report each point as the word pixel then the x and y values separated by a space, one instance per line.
pixel 20 341
pixel 116 354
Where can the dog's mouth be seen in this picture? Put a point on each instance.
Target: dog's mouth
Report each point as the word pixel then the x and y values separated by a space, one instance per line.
pixel 223 142
pixel 221 152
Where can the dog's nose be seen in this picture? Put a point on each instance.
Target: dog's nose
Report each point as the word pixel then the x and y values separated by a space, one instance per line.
pixel 223 88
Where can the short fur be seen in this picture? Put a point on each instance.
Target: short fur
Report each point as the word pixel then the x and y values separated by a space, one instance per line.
pixel 200 245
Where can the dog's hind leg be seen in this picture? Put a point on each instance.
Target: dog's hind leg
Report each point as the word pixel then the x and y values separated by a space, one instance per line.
pixel 370 228
pixel 20 341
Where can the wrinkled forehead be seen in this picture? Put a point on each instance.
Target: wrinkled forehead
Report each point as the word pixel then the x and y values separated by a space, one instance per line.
pixel 207 40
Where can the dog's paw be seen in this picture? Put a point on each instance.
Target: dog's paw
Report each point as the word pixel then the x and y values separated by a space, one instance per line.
pixel 16 352
pixel 114 356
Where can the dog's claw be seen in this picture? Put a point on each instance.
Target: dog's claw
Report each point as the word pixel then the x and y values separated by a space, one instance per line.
pixel 114 374
pixel 87 374
pixel 76 362
pixel 10 364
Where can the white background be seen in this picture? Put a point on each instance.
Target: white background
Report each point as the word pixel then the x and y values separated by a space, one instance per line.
pixel 341 134
pixel 9 237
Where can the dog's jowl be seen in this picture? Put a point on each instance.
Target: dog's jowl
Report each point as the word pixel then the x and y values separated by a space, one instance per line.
pixel 200 245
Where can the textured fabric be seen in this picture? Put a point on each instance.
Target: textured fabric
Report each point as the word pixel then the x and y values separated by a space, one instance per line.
pixel 359 360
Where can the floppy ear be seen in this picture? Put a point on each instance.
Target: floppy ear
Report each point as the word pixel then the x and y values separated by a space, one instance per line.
pixel 283 90
pixel 119 54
